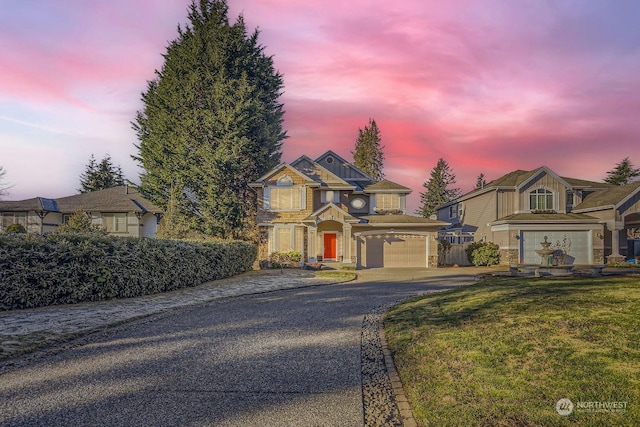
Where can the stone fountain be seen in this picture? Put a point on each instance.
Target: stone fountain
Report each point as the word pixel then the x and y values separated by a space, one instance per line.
pixel 546 264
pixel 546 253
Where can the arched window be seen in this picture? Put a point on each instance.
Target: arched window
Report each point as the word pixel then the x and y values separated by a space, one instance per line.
pixel 541 199
pixel 284 181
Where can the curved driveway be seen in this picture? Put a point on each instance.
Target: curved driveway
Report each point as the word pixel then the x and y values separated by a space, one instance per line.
pixel 283 358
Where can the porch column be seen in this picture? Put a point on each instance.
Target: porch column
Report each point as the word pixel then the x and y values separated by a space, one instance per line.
pixel 615 244
pixel 346 230
pixel 312 247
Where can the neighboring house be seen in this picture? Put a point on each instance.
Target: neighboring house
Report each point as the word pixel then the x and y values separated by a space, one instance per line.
pixel 121 211
pixel 329 210
pixel 590 221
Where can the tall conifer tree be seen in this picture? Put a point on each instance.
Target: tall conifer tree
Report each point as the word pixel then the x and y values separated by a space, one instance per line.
pixel 211 122
pixel 368 155
pixel 99 176
pixel 438 189
pixel 480 181
pixel 623 173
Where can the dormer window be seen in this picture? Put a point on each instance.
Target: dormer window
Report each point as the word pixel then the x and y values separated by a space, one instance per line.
pixel 387 202
pixel 541 200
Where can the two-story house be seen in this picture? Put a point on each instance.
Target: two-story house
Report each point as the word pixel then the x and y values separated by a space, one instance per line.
pixel 121 211
pixel 588 220
pixel 329 210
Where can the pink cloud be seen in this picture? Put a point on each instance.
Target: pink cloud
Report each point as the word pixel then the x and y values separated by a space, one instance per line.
pixel 490 86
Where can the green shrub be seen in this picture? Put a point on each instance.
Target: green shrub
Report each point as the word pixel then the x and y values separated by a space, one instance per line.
pixel 80 222
pixel 483 253
pixel 37 271
pixel 16 228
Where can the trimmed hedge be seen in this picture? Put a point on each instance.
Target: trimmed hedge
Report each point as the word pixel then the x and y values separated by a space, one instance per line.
pixel 37 271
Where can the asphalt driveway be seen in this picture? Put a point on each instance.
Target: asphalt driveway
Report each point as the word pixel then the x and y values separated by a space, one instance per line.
pixel 282 358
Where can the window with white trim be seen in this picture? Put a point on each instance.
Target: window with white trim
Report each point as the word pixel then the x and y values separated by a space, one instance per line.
pixel 453 211
pixel 541 199
pixel 283 240
pixel 114 222
pixel 386 201
pixel 288 238
pixel 284 198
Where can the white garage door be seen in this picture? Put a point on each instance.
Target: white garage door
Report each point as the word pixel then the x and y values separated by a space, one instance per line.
pixel 397 251
pixel 577 244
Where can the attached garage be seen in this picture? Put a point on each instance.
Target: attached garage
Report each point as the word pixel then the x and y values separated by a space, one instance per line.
pixel 577 244
pixel 394 251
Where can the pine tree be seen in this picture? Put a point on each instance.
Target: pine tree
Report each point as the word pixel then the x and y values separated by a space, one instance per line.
pixel 368 156
pixel 437 189
pixel 99 176
pixel 211 122
pixel 480 182
pixel 623 173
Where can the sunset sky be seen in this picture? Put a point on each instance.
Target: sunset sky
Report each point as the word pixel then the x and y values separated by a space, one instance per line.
pixel 490 86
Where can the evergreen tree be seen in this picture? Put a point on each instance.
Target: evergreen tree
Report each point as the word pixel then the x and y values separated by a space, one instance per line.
pixel 211 122
pixel 437 189
pixel 480 181
pixel 623 173
pixel 368 156
pixel 80 222
pixel 99 176
pixel 174 224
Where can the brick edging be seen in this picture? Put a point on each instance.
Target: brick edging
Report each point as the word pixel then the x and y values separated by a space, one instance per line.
pixel 401 399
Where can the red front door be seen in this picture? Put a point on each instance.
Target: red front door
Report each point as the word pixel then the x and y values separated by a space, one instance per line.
pixel 330 240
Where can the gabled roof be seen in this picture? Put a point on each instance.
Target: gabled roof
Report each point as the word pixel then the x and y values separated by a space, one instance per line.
pixel 542 169
pixel 260 181
pixel 342 168
pixel 612 197
pixel 331 206
pixel 318 173
pixel 386 186
pixel 117 199
pixel 518 178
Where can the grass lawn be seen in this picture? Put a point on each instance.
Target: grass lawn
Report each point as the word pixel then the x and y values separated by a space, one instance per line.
pixel 502 352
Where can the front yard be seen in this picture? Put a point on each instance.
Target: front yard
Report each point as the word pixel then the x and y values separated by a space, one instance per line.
pixel 505 351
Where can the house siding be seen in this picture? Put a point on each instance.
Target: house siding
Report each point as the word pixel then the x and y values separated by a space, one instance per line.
pixel 479 212
pixel 265 215
pixel 550 183
pixel 507 203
